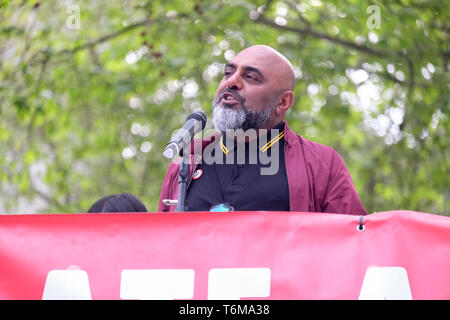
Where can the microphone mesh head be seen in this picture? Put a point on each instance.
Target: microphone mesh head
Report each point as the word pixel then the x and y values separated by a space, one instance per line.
pixel 198 115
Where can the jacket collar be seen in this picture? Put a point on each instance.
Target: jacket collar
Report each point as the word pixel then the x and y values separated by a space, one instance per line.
pixel 290 137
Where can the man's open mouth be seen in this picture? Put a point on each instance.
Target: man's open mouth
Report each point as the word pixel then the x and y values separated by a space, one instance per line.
pixel 229 99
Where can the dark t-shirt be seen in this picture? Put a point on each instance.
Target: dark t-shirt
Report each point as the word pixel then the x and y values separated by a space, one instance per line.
pixel 245 176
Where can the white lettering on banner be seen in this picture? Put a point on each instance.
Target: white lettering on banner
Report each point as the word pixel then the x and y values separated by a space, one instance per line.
pixel 223 284
pixel 157 284
pixel 236 283
pixel 385 283
pixel 67 285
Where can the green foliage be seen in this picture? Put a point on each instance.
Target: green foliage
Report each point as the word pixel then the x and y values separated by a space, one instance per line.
pixel 86 112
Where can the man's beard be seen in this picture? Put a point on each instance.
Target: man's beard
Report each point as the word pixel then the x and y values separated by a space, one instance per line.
pixel 243 118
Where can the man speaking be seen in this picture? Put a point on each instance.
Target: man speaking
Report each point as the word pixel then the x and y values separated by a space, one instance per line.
pixel 257 162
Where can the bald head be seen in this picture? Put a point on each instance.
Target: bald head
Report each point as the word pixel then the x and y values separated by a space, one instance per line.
pixel 278 63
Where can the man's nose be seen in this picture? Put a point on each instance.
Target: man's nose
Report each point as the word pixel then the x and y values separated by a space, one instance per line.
pixel 234 82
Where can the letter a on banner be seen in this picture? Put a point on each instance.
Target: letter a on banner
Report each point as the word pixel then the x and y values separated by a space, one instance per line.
pixel 388 283
pixel 67 285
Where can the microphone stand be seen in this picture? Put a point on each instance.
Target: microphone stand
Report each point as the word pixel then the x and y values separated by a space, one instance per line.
pixel 183 176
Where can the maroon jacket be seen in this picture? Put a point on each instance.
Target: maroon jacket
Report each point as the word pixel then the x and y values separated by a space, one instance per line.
pixel 318 179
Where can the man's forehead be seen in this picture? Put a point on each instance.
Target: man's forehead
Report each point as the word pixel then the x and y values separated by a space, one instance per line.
pixel 269 62
pixel 255 58
pixel 262 57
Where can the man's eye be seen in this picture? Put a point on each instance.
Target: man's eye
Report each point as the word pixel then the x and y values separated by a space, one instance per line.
pixel 227 73
pixel 251 76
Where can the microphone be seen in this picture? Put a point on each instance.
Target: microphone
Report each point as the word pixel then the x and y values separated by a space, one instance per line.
pixel 195 122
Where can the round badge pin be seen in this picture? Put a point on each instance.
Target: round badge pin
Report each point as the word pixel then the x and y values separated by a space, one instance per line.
pixel 197 174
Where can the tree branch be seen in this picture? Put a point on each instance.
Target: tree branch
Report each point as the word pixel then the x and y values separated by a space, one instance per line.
pixel 107 37
pixel 320 35
pixel 411 86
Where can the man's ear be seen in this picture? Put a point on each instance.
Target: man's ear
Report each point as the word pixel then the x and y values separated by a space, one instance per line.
pixel 285 101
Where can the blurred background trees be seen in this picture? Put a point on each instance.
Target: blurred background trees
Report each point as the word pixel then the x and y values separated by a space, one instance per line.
pixel 91 91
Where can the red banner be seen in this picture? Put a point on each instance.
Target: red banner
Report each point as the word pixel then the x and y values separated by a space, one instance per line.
pixel 256 255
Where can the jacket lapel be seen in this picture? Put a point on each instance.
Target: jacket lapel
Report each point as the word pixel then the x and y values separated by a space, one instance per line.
pixel 300 199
